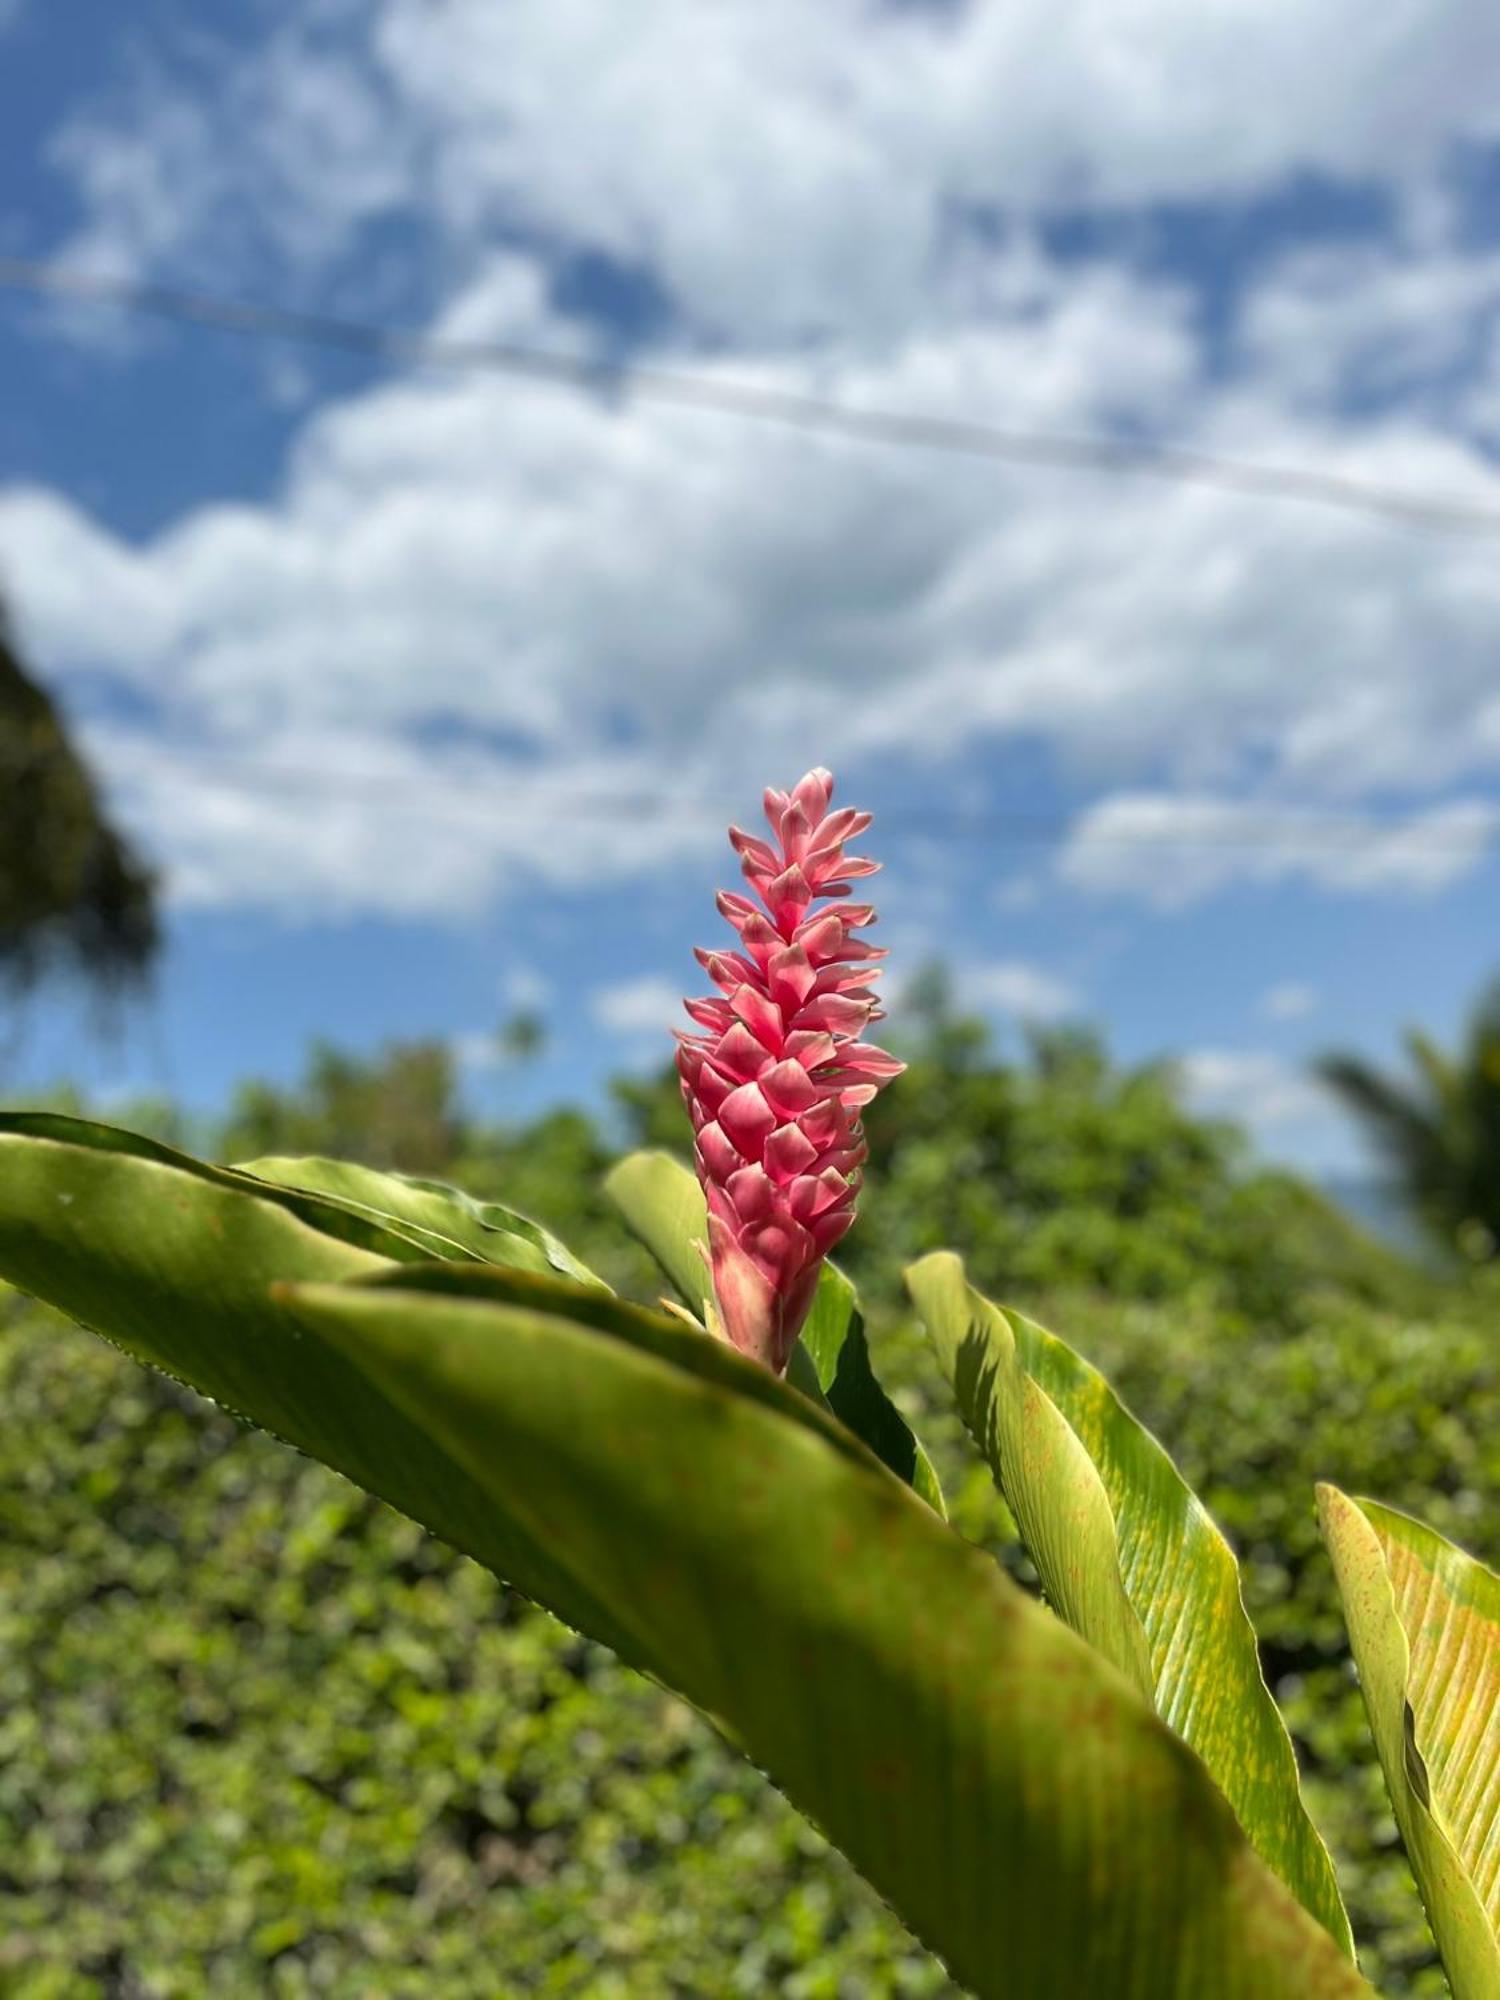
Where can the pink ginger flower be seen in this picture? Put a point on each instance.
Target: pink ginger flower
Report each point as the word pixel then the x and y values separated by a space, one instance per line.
pixel 777 1080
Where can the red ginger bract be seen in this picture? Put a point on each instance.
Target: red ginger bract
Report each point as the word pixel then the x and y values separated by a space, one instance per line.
pixel 777 1080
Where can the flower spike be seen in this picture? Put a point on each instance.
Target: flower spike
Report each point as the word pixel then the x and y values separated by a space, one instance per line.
pixel 776 1079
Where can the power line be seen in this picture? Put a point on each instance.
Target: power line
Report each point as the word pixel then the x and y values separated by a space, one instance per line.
pixel 1157 460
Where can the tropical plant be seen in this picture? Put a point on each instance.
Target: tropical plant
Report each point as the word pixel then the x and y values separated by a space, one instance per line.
pixel 1057 1170
pixel 1439 1129
pixel 1096 1797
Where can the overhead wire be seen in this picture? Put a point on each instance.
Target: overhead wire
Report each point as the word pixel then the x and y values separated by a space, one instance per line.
pixel 1299 828
pixel 1149 458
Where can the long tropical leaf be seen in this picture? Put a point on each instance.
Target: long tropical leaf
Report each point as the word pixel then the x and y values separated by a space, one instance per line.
pixel 1424 1623
pixel 174 1261
pixel 897 1686
pixel 1130 1558
pixel 452 1222
pixel 998 1781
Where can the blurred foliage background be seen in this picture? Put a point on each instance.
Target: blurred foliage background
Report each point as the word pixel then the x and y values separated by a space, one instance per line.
pixel 259 1735
pixel 74 894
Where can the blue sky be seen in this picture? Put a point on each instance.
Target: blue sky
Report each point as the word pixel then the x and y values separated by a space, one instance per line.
pixel 431 691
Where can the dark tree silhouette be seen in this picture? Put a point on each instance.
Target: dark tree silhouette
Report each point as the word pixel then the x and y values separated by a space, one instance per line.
pixel 74 896
pixel 1438 1127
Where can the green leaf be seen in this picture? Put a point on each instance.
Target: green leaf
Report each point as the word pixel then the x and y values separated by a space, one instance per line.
pixel 174 1261
pixel 451 1222
pixel 834 1341
pixel 1424 1623
pixel 1130 1558
pixel 1000 1783
pixel 662 1204
pixel 1019 1805
pixel 382 1236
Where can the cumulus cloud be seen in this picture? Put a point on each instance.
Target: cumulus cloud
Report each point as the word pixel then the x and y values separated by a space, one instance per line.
pixel 526 988
pixel 476 1050
pixel 290 148
pixel 1254 1088
pixel 484 632
pixel 1015 986
pixel 637 1008
pixel 496 618
pixel 1171 850
pixel 776 168
pixel 1289 1000
pixel 1372 322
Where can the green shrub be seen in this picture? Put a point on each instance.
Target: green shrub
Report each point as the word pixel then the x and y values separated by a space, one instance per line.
pixel 258 1734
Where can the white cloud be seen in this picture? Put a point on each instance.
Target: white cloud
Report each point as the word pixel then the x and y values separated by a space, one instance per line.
pixel 1287 1112
pixel 1172 850
pixel 477 1050
pixel 776 167
pixel 637 1008
pixel 1482 403
pixel 526 989
pixel 1016 893
pixel 1013 986
pixel 290 147
pixel 505 298
pixel 1289 1000
pixel 1255 1089
pixel 1374 320
pixel 596 601
pixel 336 823
pixel 610 597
